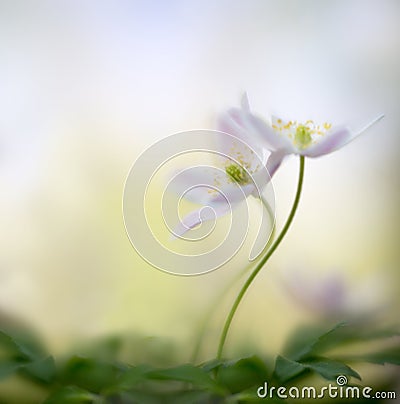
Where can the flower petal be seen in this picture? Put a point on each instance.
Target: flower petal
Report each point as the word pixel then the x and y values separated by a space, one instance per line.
pixel 195 183
pixel 244 102
pixel 218 204
pixel 231 194
pixel 234 122
pixel 270 136
pixel 199 216
pixel 275 160
pixel 336 138
pixel 252 130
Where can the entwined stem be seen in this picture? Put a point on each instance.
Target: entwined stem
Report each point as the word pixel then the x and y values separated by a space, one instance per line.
pixel 262 262
pixel 207 316
pixel 211 310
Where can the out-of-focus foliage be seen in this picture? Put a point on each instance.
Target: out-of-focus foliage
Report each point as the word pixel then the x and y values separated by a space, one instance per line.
pixel 104 377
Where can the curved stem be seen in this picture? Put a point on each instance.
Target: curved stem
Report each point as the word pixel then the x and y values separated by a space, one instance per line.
pixel 263 260
pixel 208 314
pixel 211 310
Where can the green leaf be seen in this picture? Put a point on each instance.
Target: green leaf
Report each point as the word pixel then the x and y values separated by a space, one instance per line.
pixel 186 373
pixel 250 396
pixel 21 346
pixel 330 369
pixel 307 339
pixel 243 374
pixel 391 356
pixel 176 397
pixel 70 395
pixel 24 354
pixel 90 374
pixel 286 369
pixel 137 397
pixel 7 368
pixel 212 364
pixel 7 344
pixel 43 370
pixel 130 378
pixel 191 396
pixel 345 334
pixel 308 342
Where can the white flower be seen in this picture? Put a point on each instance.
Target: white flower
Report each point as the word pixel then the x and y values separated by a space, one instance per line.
pixel 283 137
pixel 242 172
pixel 253 159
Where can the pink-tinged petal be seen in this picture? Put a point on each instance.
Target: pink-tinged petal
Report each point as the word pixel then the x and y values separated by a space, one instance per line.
pixel 252 130
pixel 277 121
pixel 199 216
pixel 195 183
pixel 216 204
pixel 231 194
pixel 260 180
pixel 266 134
pixel 275 160
pixel 336 138
pixel 283 134
pixel 239 145
pixel 234 122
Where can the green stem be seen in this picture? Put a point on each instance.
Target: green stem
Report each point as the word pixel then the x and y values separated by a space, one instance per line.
pixel 207 316
pixel 262 262
pixel 211 310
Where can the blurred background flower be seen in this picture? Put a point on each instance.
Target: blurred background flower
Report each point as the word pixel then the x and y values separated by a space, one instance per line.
pixel 329 296
pixel 87 86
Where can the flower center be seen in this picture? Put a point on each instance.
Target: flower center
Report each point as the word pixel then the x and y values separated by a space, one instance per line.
pixel 237 174
pixel 302 134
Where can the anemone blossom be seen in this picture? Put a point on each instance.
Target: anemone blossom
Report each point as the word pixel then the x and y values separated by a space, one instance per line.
pixel 282 137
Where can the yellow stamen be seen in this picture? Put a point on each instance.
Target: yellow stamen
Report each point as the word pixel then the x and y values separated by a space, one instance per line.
pixel 302 134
